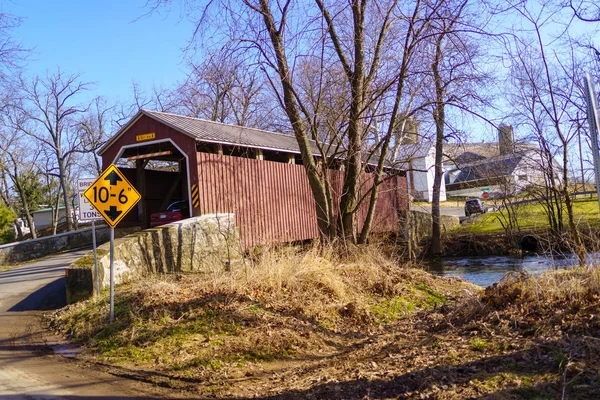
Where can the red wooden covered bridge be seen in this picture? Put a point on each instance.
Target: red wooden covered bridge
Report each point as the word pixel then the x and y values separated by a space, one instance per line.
pixel 219 168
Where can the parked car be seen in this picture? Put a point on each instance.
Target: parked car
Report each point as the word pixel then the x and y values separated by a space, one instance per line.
pixel 473 206
pixel 175 212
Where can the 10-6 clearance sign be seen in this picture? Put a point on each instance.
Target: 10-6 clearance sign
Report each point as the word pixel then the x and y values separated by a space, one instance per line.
pixel 112 195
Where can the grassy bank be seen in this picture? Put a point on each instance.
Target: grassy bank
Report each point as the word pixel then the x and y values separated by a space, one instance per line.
pixel 485 235
pixel 312 324
pixel 289 305
pixel 532 217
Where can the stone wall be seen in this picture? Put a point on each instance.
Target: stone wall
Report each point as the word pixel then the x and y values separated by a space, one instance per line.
pixel 35 248
pixel 194 244
pixel 417 224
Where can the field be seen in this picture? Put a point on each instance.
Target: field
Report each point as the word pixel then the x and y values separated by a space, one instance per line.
pixel 532 217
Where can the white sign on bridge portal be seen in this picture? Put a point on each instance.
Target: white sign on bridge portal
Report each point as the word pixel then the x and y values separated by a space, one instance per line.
pixel 86 211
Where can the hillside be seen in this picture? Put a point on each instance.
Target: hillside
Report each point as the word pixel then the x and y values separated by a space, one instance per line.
pixel 310 324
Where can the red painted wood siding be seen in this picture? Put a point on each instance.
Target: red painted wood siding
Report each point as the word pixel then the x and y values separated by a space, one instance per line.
pixel 146 125
pixel 273 202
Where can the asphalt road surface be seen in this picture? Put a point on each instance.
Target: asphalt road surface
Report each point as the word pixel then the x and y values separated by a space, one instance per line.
pixel 455 211
pixel 29 367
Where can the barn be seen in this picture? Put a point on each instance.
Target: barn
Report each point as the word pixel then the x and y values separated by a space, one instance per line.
pixel 220 168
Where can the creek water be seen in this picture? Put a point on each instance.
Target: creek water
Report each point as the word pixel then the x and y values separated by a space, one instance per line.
pixel 484 271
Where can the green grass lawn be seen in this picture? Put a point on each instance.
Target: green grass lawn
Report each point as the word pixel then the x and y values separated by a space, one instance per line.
pixel 533 217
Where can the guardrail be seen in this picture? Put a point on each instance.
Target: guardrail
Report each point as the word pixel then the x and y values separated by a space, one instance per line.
pixel 35 248
pixel 591 193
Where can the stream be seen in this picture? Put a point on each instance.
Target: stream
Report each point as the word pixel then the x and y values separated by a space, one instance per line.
pixel 484 271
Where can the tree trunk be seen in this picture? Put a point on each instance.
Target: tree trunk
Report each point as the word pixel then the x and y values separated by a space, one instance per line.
pixel 439 120
pixel 579 247
pixel 352 177
pixel 18 229
pixel 317 183
pixel 349 192
pixel 436 235
pixel 383 156
pixel 28 215
pixel 55 214
pixel 31 223
pixel 65 194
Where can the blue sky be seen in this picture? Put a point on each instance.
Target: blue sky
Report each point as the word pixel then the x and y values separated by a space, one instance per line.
pixel 108 42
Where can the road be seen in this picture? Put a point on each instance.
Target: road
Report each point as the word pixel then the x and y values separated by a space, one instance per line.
pixel 454 211
pixel 29 368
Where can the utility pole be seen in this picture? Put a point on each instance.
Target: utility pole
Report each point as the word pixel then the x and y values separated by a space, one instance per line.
pixel 592 114
pixel 580 153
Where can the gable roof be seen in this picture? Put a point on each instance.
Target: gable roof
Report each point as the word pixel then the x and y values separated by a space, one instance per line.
pixel 216 132
pixel 494 167
pixel 468 157
pixel 491 168
pixel 412 151
pixel 453 151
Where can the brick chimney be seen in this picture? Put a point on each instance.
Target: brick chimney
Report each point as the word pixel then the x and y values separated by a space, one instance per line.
pixel 506 139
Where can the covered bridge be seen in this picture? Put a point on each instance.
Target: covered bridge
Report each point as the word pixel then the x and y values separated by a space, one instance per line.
pixel 255 174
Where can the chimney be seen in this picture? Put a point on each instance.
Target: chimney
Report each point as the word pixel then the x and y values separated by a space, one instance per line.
pixel 506 139
pixel 411 131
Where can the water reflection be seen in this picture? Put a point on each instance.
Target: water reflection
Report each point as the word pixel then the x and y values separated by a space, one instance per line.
pixel 484 271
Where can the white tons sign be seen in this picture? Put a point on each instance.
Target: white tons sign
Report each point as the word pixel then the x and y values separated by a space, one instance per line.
pixel 86 211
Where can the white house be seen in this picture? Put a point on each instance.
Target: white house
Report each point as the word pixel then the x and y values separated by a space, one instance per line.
pixel 43 218
pixel 501 175
pixel 419 161
pixel 473 169
pixel 493 169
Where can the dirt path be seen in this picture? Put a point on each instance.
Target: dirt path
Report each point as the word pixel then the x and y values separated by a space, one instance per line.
pixel 29 368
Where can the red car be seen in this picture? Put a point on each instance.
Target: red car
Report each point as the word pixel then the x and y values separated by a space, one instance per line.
pixel 175 212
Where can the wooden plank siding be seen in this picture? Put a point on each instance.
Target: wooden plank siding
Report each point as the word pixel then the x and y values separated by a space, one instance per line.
pixel 273 202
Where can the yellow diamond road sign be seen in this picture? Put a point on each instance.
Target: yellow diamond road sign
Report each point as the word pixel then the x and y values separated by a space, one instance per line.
pixel 112 195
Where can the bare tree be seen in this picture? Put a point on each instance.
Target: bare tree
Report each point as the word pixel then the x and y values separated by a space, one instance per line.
pixel 94 128
pixel 455 79
pixel 544 92
pixel 585 10
pixel 18 162
pixel 224 88
pixel 157 98
pixel 48 113
pixel 353 51
pixel 12 53
pixel 52 190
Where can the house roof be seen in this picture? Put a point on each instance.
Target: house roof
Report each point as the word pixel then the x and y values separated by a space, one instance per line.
pixel 498 166
pixel 410 151
pixel 462 153
pixel 49 209
pixel 485 150
pixel 216 132
pixel 468 157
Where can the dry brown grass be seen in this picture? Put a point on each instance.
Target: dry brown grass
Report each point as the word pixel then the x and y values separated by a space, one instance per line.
pixel 310 323
pixel 288 304
pixel 565 298
pixel 554 316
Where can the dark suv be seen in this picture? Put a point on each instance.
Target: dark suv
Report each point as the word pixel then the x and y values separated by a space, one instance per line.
pixel 473 206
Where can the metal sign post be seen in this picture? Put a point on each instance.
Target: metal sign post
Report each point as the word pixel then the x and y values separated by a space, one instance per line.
pixel 592 114
pixel 96 282
pixel 113 197
pixel 112 274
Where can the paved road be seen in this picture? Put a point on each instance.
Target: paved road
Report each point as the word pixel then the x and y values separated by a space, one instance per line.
pixel 29 369
pixel 455 211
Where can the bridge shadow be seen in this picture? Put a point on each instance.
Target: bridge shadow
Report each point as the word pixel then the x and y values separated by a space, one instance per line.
pixel 49 297
pixel 76 397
